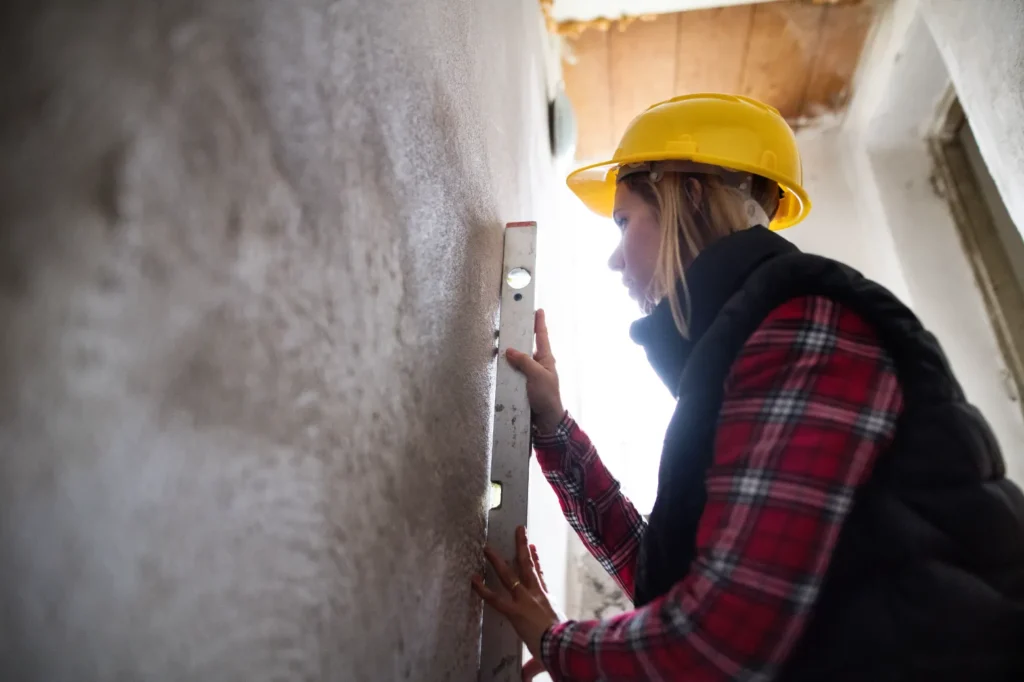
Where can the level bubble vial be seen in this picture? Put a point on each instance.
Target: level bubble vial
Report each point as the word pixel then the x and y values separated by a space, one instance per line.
pixel 518 278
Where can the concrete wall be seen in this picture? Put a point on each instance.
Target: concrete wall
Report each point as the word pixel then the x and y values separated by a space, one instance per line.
pixel 843 223
pixel 249 265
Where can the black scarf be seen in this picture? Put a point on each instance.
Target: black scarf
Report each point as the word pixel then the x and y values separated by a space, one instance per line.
pixel 715 275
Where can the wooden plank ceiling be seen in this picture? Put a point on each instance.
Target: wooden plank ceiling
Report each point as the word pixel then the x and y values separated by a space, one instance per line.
pixel 798 57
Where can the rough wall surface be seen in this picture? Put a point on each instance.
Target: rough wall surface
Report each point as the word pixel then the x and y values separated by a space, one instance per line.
pixel 981 44
pixel 249 266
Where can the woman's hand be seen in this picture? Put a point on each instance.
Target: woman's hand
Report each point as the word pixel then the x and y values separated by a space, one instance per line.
pixel 541 379
pixel 526 605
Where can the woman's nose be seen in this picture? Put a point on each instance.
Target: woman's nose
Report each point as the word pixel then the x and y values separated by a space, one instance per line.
pixel 617 263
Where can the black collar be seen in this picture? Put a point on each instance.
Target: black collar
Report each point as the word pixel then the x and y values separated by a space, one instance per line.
pixel 715 275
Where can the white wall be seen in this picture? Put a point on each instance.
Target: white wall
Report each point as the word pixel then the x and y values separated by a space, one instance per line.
pixel 843 223
pixel 249 269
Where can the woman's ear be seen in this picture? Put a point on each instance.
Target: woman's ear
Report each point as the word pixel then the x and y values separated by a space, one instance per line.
pixel 694 192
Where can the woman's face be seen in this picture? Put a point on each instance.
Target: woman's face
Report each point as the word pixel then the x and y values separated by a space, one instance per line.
pixel 637 252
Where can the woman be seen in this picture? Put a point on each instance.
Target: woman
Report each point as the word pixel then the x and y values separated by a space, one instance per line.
pixel 829 506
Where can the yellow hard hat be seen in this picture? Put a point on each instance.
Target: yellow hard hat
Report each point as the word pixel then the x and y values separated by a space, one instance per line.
pixel 730 131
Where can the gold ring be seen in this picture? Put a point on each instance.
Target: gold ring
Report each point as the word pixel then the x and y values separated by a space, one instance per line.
pixel 514 586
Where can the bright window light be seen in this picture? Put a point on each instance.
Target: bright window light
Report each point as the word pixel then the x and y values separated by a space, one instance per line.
pixel 494 496
pixel 605 377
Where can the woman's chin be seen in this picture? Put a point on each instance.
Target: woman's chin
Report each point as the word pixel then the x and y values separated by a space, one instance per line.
pixel 644 303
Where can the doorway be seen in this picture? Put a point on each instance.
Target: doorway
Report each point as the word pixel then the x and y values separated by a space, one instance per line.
pixel 991 240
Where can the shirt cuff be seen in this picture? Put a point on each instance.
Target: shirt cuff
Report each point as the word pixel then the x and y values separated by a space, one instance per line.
pixel 557 438
pixel 552 447
pixel 550 646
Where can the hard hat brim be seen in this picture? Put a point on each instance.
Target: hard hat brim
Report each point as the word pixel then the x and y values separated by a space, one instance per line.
pixel 595 186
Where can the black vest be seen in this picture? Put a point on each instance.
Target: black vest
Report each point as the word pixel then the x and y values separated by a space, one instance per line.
pixel 927 579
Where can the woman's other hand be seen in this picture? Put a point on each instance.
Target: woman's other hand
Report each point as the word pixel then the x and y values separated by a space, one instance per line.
pixel 526 605
pixel 541 379
pixel 534 666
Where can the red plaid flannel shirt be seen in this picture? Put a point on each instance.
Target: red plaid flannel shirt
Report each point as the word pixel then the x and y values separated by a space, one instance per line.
pixel 809 404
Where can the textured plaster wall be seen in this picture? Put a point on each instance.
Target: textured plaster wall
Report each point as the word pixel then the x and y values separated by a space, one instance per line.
pixel 249 265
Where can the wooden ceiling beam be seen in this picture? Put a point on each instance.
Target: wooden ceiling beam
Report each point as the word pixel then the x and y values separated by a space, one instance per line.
pixel 588 87
pixel 643 67
pixel 797 56
pixel 843 34
pixel 783 47
pixel 699 69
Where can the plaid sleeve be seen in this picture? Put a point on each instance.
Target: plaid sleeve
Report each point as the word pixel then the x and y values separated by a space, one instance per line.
pixel 606 521
pixel 809 403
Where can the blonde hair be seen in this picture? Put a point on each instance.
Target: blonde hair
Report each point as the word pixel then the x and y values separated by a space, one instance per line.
pixel 688 227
